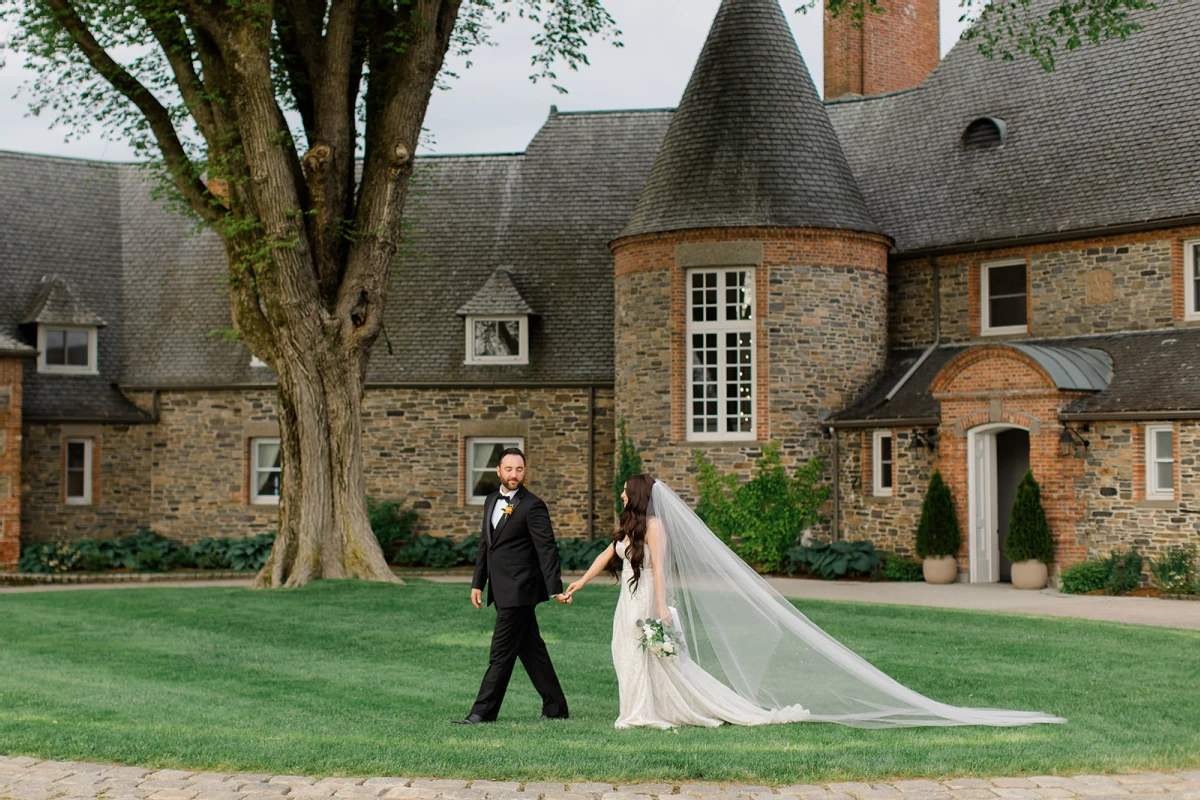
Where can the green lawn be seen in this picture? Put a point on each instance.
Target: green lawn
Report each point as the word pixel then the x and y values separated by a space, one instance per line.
pixel 350 678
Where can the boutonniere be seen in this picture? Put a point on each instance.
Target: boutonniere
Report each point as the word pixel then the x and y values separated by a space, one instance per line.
pixel 508 509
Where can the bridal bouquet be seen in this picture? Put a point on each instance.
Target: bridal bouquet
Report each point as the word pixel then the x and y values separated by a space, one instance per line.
pixel 660 640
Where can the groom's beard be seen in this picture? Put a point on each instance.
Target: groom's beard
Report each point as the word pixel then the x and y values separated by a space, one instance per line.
pixel 511 486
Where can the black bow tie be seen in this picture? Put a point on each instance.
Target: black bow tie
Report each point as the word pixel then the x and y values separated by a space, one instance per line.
pixel 507 498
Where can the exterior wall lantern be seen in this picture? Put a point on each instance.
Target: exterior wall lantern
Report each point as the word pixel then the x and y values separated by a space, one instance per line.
pixel 1070 442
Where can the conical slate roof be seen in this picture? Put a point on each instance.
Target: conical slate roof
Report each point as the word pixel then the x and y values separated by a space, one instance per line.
pixel 751 144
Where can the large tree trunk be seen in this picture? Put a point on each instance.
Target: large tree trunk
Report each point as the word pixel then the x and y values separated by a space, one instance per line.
pixel 324 531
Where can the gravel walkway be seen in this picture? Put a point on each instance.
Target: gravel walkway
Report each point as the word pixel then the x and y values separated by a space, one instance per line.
pixel 24 778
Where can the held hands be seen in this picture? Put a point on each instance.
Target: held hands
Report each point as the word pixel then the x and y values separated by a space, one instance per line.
pixel 574 587
pixel 564 598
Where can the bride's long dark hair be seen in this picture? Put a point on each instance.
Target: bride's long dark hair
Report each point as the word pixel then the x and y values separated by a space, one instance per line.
pixel 633 527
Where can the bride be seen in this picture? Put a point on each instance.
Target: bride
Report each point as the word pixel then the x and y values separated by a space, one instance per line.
pixel 748 657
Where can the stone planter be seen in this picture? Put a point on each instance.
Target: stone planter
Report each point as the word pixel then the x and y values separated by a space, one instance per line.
pixel 1030 574
pixel 943 569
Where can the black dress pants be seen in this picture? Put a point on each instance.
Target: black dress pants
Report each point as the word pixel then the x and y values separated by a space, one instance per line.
pixel 516 636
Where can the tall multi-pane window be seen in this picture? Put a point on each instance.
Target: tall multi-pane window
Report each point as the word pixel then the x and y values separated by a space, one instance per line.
pixel 1004 297
pixel 1191 278
pixel 78 476
pixel 1160 462
pixel 265 471
pixel 720 335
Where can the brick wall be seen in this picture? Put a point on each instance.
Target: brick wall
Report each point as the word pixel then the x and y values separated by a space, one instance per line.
pixel 821 311
pixel 188 476
pixel 10 461
pixel 1080 287
pixel 887 52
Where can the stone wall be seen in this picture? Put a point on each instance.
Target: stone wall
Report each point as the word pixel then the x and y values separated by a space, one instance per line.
pixel 11 371
pixel 1080 287
pixel 1116 513
pixel 122 483
pixel 188 476
pixel 821 306
pixel 890 523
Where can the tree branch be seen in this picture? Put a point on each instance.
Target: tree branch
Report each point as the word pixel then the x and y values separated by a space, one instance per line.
pixel 180 166
pixel 177 46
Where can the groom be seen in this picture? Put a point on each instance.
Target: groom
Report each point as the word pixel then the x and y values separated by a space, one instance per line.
pixel 518 562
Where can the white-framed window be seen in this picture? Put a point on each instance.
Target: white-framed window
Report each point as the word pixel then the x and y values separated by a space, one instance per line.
pixel 265 471
pixel 483 456
pixel 78 472
pixel 882 459
pixel 70 350
pixel 498 339
pixel 1003 297
pixel 1191 279
pixel 721 357
pixel 1160 462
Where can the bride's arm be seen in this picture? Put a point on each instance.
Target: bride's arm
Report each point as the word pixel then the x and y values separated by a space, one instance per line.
pixel 595 569
pixel 656 539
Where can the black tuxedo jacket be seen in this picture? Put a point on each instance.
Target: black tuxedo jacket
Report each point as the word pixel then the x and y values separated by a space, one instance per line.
pixel 518 560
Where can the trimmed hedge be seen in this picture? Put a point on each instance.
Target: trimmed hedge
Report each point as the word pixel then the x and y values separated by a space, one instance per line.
pixel 146 551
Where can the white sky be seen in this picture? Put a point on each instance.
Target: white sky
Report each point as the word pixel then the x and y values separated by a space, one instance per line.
pixel 493 107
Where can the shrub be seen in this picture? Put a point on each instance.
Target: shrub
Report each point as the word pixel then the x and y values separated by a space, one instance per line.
pixel 1086 576
pixel 895 567
pixel 832 560
pixel 1028 532
pixel 48 558
pixel 392 523
pixel 428 551
pixel 577 554
pixel 629 463
pixel 1124 571
pixel 937 532
pixel 768 513
pixel 1174 571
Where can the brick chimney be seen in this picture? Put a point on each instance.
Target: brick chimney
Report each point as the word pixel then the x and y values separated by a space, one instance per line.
pixel 889 51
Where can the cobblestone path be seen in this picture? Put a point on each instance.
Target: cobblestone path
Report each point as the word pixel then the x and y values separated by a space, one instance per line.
pixel 24 778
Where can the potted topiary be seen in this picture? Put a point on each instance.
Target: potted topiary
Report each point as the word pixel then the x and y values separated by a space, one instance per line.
pixel 938 536
pixel 1029 546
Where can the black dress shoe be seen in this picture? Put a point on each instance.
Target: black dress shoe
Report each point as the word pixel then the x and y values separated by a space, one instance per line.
pixel 547 716
pixel 471 719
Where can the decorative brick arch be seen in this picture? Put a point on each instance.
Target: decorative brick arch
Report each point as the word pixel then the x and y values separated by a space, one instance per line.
pixel 1011 369
pixel 1008 417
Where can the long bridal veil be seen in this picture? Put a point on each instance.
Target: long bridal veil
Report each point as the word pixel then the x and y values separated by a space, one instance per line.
pixel 744 633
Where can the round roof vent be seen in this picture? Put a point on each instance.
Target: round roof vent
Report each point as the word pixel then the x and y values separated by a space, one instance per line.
pixel 983 133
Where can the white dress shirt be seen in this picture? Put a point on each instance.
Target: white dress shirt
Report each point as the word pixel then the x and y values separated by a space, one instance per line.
pixel 498 509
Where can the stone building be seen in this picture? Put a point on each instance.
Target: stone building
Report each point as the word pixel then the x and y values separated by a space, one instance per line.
pixel 967 265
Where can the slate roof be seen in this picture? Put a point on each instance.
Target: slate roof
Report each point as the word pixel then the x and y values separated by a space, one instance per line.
pixel 497 296
pixel 59 216
pixel 1110 137
pixel 751 143
pixel 11 347
pixel 55 303
pixel 549 213
pixel 1153 371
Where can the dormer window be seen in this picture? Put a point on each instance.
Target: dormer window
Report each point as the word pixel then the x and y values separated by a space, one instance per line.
pixel 498 340
pixel 984 133
pixel 66 329
pixel 497 322
pixel 68 350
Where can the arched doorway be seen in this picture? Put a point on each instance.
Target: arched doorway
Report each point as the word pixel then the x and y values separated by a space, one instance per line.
pixel 998 458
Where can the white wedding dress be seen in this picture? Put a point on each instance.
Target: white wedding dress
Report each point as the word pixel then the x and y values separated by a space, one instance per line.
pixel 665 693
pixel 750 656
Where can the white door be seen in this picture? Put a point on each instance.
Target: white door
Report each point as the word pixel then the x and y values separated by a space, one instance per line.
pixel 985 563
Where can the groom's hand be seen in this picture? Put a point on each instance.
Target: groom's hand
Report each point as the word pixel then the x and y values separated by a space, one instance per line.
pixel 477 598
pixel 564 598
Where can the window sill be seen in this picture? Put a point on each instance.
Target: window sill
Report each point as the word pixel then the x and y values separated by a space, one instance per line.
pixel 880 499
pixel 77 503
pixel 42 370
pixel 496 362
pixel 257 501
pixel 1016 330
pixel 1157 502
